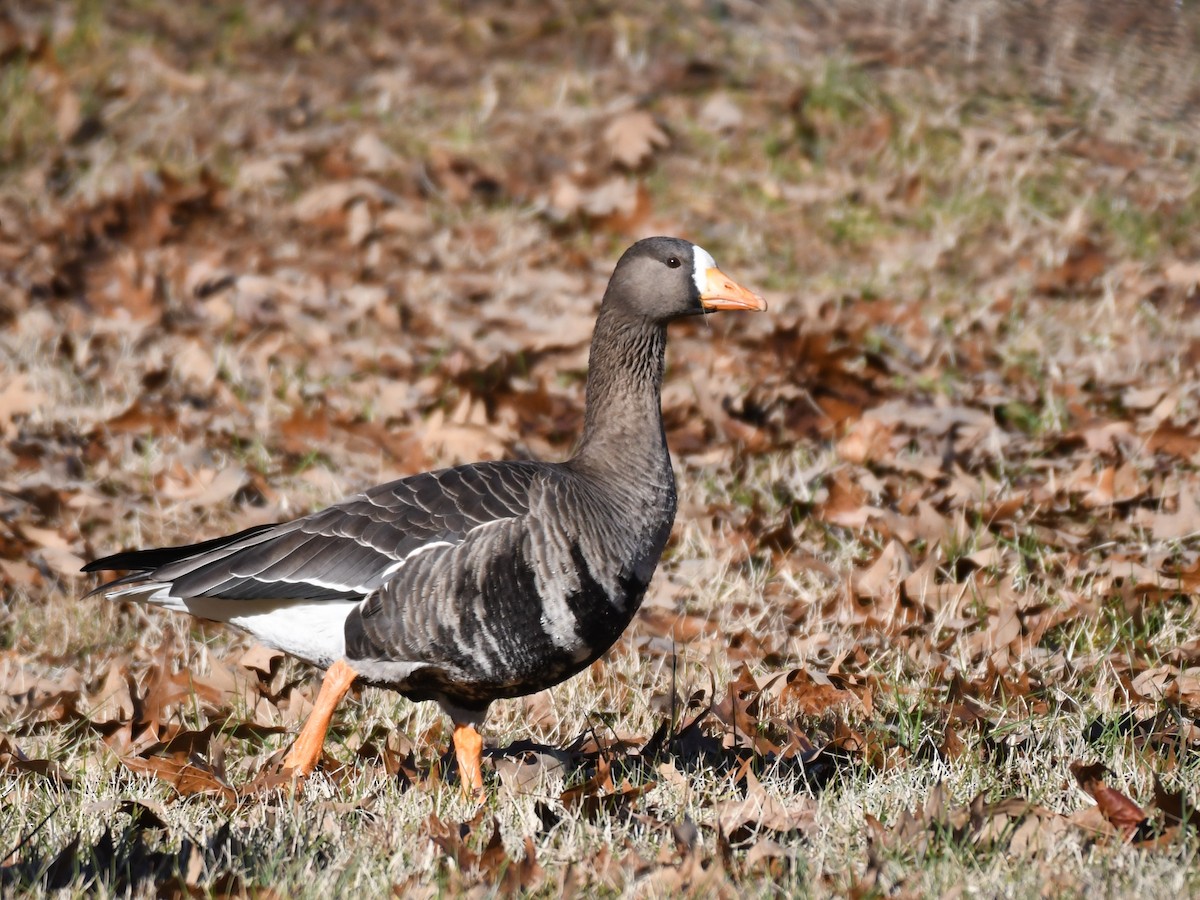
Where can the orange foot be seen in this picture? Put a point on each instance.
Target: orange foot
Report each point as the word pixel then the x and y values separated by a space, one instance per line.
pixel 468 749
pixel 306 751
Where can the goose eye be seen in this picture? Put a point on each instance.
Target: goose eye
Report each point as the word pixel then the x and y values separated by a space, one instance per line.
pixel 674 262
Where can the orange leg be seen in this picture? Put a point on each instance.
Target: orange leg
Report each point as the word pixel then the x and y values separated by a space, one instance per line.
pixel 305 752
pixel 468 749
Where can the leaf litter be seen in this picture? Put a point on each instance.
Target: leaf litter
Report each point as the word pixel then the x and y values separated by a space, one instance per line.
pixel 932 587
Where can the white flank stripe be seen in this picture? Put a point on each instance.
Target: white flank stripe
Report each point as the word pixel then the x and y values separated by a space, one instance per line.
pixel 313 631
pixel 399 564
pixel 315 582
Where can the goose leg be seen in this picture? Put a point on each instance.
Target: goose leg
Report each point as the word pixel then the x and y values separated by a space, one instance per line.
pixel 468 750
pixel 305 752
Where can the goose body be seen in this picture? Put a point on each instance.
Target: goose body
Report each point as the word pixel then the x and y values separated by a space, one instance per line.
pixel 479 582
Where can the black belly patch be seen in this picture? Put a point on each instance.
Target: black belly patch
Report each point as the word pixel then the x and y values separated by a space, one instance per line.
pixel 500 647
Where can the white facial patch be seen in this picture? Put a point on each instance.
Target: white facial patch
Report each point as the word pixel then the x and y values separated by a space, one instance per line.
pixel 702 261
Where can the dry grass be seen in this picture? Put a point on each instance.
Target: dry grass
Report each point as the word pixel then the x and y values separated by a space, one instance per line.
pixel 305 251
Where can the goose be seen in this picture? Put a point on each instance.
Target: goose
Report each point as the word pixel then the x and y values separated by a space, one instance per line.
pixel 479 582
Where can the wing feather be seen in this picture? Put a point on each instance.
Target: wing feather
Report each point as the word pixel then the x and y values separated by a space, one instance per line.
pixel 342 552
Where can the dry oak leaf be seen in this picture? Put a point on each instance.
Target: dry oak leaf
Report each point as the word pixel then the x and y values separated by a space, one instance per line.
pixel 54 549
pixel 884 576
pixel 721 113
pixel 16 399
pixel 261 173
pixel 12 758
pixel 261 658
pixel 1167 526
pixel 1153 683
pixel 1114 485
pixel 112 701
pixel 1120 812
pixel 464 434
pixel 1185 275
pixel 810 693
pixel 372 154
pixel 633 136
pixel 617 200
pixel 1084 263
pixel 865 441
pixel 1177 809
pixel 844 502
pixel 1142 398
pixel 187 777
pixel 326 198
pixel 523 773
pixel 207 487
pixel 758 811
pixel 1186 689
pixel 15 572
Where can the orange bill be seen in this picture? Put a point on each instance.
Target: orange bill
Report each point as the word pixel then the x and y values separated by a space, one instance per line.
pixel 722 292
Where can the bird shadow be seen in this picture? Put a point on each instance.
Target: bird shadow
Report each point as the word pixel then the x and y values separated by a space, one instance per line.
pixel 715 742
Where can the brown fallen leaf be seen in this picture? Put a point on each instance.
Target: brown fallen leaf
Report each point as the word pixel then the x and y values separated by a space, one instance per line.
pixel 758 811
pixel 113 701
pixel 884 576
pixel 1185 274
pixel 1114 485
pixel 55 550
pixel 867 440
pixel 16 572
pixel 261 659
pixel 812 693
pixel 1177 808
pixel 206 487
pixel 17 399
pixel 1183 522
pixel 186 777
pixel 632 138
pixel 1084 263
pixel 845 501
pixel 1121 812
pixel 12 759
pixel 322 200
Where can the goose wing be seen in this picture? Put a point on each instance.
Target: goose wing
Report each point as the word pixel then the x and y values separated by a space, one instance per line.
pixel 343 552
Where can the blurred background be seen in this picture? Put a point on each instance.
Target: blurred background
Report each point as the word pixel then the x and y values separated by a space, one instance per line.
pixel 256 256
pixel 285 234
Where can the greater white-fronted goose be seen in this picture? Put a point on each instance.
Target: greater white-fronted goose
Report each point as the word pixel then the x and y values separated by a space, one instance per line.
pixel 480 582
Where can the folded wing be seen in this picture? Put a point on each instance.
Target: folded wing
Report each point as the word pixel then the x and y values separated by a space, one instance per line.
pixel 343 552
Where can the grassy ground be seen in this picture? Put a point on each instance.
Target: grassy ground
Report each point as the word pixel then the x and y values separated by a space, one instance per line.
pixel 927 623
